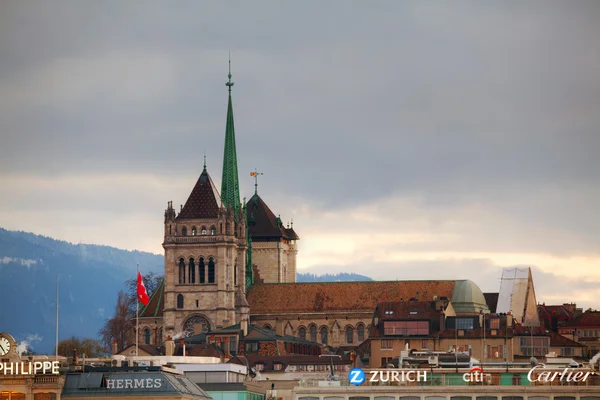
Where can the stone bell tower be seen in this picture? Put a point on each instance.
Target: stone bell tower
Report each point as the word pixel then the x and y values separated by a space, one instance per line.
pixel 205 251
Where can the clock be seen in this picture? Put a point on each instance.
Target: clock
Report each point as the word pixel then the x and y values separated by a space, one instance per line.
pixel 4 346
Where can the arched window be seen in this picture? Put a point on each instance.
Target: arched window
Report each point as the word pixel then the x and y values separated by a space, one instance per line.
pixel 213 230
pixel 313 333
pixel 184 231
pixel 361 333
pixel 235 274
pixel 181 270
pixel 211 270
pixel 179 301
pixel 147 336
pixel 349 335
pixel 203 232
pixel 267 326
pixel 302 333
pixel 193 231
pixel 159 338
pixel 201 270
pixel 324 334
pixel 191 271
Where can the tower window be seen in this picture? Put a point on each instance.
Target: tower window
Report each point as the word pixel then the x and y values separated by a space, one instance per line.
pixel 213 230
pixel 192 271
pixel 201 270
pixel 203 230
pixel 193 231
pixel 211 270
pixel 147 336
pixel 181 271
pixel 197 303
pixel 184 231
pixel 179 301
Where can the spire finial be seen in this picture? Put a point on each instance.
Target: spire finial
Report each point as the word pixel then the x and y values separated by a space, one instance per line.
pixel 204 159
pixel 229 84
pixel 255 174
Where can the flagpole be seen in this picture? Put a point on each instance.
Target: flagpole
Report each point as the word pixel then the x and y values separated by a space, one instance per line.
pixel 56 349
pixel 137 313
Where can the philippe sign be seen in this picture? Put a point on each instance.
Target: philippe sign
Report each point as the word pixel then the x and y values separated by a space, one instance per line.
pixel 29 368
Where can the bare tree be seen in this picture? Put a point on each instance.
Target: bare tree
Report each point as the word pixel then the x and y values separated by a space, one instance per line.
pixel 85 347
pixel 119 326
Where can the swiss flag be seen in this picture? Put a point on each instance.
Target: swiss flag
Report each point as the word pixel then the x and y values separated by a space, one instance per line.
pixel 142 294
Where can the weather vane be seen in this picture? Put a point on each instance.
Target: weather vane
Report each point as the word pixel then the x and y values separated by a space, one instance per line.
pixel 229 84
pixel 255 174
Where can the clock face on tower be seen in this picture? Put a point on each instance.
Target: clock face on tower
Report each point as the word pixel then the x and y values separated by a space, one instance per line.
pixel 4 346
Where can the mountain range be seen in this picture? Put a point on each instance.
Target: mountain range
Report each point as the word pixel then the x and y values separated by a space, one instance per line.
pixel 89 278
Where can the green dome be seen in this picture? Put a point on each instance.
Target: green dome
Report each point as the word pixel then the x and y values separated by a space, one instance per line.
pixel 468 298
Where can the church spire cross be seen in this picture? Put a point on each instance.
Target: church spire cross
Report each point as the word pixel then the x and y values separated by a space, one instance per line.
pixel 229 84
pixel 255 174
pixel 230 188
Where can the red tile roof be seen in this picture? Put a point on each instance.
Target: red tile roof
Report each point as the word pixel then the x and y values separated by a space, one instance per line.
pixel 589 319
pixel 339 296
pixel 561 341
pixel 204 201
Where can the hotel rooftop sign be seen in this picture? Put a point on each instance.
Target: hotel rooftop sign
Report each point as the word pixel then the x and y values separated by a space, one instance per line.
pixel 30 368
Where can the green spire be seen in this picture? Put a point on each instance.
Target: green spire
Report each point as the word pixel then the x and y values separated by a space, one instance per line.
pixel 230 187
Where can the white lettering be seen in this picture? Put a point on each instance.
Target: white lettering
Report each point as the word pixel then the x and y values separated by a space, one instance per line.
pixel 37 366
pixel 149 383
pixel 8 367
pixel 374 376
pixel 119 383
pixel 47 366
pixel 128 383
pixel 157 382
pixel 423 375
pixel 409 377
pixel 138 383
pixel 110 383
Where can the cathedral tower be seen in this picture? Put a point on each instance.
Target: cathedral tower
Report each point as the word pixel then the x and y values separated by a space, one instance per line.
pixel 205 251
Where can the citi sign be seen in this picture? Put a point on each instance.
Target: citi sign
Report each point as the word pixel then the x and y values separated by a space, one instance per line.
pixel 474 375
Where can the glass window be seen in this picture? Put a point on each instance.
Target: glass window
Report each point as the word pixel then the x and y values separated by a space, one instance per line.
pixel 387 344
pixel 302 333
pixel 361 333
pixel 181 270
pixel 313 333
pixel 464 323
pixel 406 328
pixel 211 270
pixel 324 335
pixel 179 301
pixel 349 335
pixel 147 336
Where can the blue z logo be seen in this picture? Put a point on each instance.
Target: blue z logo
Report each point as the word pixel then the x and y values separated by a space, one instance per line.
pixel 356 376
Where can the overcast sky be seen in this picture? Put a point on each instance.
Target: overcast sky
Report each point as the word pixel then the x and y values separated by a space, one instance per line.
pixel 406 140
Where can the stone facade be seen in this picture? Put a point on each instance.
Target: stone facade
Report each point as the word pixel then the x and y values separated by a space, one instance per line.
pixel 275 260
pixel 204 267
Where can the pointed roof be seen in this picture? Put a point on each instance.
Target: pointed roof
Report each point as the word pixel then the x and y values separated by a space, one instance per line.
pixel 204 200
pixel 155 306
pixel 262 223
pixel 230 187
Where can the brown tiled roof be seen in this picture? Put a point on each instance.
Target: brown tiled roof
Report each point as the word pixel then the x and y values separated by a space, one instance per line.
pixel 204 201
pixel 548 312
pixel 262 223
pixel 156 305
pixel 589 319
pixel 339 296
pixel 561 341
pixel 150 350
pixel 199 350
pixel 492 301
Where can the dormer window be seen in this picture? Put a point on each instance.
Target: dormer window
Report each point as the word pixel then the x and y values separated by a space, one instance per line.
pixel 412 313
pixel 184 231
pixel 203 232
pixel 213 230
pixel 389 312
pixel 193 231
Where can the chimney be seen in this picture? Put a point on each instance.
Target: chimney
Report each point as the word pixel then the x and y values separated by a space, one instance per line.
pixel 169 346
pixel 442 321
pixel 509 320
pixel 75 357
pixel 114 347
